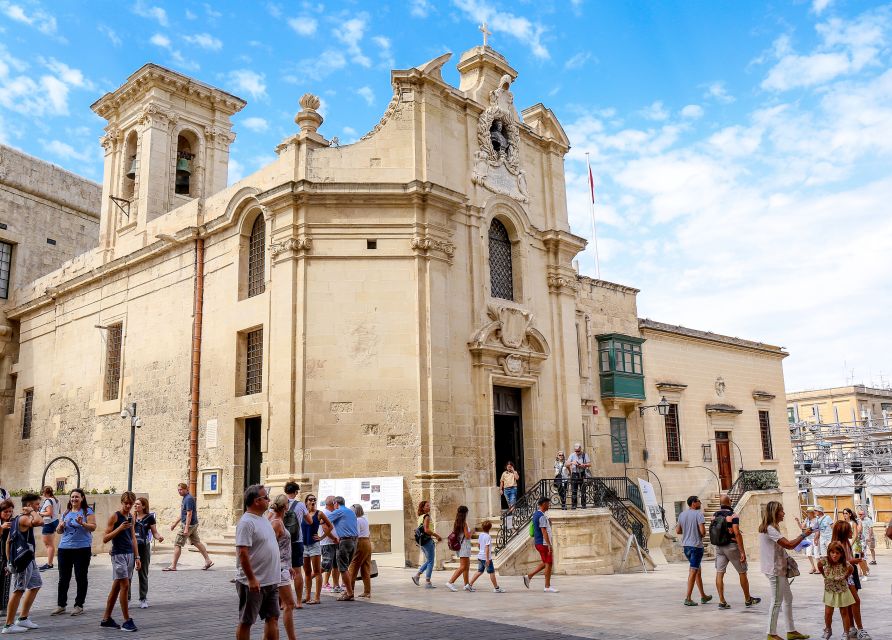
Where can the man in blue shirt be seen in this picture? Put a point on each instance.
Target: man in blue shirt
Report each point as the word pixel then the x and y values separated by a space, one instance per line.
pixel 543 540
pixel 344 521
pixel 691 526
pixel 188 524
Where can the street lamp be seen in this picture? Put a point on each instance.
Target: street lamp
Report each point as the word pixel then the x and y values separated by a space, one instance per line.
pixel 129 411
pixel 662 407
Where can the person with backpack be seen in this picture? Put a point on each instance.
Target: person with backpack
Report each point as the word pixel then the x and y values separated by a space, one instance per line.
pixel 49 509
pixel 691 526
pixel 7 511
pixel 725 536
pixel 460 540
pixel 543 540
pixel 425 537
pixel 26 581
pixel 295 518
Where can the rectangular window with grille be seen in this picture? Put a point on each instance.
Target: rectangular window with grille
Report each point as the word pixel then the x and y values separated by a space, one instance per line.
pixel 27 413
pixel 256 258
pixel 620 440
pixel 5 268
pixel 673 434
pixel 112 385
pixel 765 432
pixel 253 361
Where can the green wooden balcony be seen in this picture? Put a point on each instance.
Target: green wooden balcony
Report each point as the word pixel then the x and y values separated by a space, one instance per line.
pixel 620 366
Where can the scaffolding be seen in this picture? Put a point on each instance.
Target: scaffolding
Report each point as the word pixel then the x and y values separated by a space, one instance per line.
pixel 841 454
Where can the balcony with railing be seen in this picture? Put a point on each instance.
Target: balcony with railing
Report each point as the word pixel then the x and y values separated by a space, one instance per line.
pixel 620 366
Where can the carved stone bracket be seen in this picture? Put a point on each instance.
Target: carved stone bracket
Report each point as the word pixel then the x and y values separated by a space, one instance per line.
pixel 152 114
pixel 562 284
pixel 292 247
pixel 111 138
pixel 425 245
pixel 267 215
pixel 218 134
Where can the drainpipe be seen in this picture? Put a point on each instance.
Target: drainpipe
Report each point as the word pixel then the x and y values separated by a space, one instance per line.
pixel 195 385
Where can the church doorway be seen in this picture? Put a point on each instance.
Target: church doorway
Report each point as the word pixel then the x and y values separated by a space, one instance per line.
pixel 508 434
pixel 253 457
pixel 723 458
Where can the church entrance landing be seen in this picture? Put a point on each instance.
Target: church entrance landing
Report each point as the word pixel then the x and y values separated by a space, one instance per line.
pixel 508 433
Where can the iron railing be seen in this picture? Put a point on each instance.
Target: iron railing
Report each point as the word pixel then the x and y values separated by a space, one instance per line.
pixel 754 480
pixel 611 493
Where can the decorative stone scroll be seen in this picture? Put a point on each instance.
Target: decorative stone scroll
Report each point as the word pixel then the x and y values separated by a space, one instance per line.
pixel 111 138
pixel 559 283
pixel 509 343
pixel 427 244
pixel 152 114
pixel 297 246
pixel 497 161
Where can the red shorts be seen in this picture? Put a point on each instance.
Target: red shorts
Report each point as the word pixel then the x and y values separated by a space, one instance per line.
pixel 544 553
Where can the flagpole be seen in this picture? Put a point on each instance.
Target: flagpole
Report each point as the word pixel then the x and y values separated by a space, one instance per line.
pixel 594 225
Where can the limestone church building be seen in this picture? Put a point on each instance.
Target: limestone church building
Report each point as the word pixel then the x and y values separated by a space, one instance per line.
pixel 405 305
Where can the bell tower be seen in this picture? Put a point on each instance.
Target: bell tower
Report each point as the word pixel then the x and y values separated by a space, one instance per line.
pixel 166 143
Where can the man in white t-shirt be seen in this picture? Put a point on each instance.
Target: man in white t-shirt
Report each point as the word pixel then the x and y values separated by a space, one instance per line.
pixel 257 573
pixel 868 539
pixel 484 559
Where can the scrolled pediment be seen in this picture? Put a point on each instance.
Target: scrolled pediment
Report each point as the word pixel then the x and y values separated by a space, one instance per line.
pixel 509 331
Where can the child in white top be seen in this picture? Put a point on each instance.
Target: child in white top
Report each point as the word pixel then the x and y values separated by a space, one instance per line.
pixel 484 558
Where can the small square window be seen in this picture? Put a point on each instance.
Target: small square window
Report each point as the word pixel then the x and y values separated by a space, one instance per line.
pixel 371 244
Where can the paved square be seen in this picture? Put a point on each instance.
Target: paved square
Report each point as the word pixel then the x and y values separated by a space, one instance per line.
pixel 196 604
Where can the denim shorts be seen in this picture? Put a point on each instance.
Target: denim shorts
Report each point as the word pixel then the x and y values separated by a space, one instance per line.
pixel 694 556
pixel 483 565
pixel 50 528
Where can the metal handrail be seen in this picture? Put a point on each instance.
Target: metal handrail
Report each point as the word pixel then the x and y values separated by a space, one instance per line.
pixel 611 493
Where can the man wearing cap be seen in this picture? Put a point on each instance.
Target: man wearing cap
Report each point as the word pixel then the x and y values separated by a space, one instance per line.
pixel 579 465
pixel 812 552
pixel 825 531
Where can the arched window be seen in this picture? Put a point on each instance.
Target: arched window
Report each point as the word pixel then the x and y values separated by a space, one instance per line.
pixel 501 276
pixel 256 258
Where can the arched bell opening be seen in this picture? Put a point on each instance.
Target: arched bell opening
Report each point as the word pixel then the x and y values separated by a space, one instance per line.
pixel 187 149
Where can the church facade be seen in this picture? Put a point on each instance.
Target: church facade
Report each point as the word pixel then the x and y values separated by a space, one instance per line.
pixel 406 305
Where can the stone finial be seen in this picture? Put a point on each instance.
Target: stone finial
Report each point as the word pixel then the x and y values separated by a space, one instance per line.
pixel 308 119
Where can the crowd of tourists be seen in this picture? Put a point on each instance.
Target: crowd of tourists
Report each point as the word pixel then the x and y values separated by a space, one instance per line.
pixel 836 550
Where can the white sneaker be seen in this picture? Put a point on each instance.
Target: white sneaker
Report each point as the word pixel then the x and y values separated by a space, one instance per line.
pixel 469 587
pixel 14 628
pixel 550 590
pixel 863 635
pixel 498 590
pixel 451 586
pixel 26 622
pixel 143 604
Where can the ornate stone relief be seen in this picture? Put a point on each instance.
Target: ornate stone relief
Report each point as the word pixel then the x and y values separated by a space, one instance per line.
pixel 298 246
pixel 509 342
pixel 557 283
pixel 513 365
pixel 427 244
pixel 111 138
pixel 152 114
pixel 497 161
pixel 392 108
pixel 720 386
pixel 213 134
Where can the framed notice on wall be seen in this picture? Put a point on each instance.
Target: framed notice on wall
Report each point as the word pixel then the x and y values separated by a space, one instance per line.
pixel 374 494
pixel 651 507
pixel 210 481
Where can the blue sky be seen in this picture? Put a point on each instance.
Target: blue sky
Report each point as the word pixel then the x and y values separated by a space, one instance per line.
pixel 741 149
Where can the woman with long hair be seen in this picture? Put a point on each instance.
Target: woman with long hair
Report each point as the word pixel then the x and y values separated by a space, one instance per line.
pixel 312 547
pixel 7 511
pixel 76 525
pixel 426 537
pixel 857 541
pixel 144 525
pixel 283 538
pixel 842 533
pixel 774 564
pixel 461 531
pixel 49 509
pixel 361 565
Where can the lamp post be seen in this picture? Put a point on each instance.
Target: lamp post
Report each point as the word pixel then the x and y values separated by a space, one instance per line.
pixel 662 407
pixel 129 411
pixel 621 448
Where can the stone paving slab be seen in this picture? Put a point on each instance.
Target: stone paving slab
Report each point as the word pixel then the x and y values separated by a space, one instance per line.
pixel 196 604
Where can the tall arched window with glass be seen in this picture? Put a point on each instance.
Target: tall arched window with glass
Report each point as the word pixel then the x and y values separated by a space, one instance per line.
pixel 256 258
pixel 501 274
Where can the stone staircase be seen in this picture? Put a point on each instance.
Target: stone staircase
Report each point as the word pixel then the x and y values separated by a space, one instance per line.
pixel 709 508
pixel 452 563
pixel 222 545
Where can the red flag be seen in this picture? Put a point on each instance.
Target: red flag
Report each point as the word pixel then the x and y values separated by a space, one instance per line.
pixel 591 182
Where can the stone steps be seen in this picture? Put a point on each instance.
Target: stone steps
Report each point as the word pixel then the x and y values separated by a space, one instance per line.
pixel 222 545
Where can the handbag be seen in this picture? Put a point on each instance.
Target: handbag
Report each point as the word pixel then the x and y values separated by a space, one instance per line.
pixel 792 567
pixel 374 570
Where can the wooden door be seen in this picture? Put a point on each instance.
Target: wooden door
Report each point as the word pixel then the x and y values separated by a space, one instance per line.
pixel 883 507
pixel 723 459
pixel 828 504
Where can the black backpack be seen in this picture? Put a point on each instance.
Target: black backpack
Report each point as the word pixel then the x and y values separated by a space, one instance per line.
pixel 720 530
pixel 292 524
pixel 21 547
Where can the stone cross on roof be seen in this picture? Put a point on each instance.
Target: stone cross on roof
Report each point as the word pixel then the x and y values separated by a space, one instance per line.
pixel 486 32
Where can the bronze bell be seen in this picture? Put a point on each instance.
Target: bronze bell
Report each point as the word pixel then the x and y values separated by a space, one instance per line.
pixel 181 184
pixel 183 167
pixel 131 172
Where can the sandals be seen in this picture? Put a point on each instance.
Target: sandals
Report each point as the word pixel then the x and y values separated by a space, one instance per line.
pixel 208 565
pixel 169 569
pixel 313 602
pixel 345 598
pixel 364 595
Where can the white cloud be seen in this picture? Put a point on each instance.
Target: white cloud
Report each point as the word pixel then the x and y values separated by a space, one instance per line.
pixel 211 12
pixel 317 68
pixel 716 91
pixel 303 25
pixel 350 33
pixel 236 171
pixel 385 53
pixel 520 28
pixel 818 6
pixel 421 8
pixel 176 56
pixel 111 34
pixel 205 41
pixel 67 75
pixel 656 111
pixel 578 60
pixel 38 95
pixel 160 40
pixel 248 81
pixel 366 94
pixel 144 10
pixel 38 18
pixel 190 15
pixel 64 151
pixel 692 111
pixel 255 124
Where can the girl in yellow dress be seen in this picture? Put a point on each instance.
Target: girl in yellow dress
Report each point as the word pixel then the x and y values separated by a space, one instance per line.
pixel 836 571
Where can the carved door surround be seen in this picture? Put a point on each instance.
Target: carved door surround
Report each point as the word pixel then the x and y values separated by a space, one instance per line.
pixel 508 344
